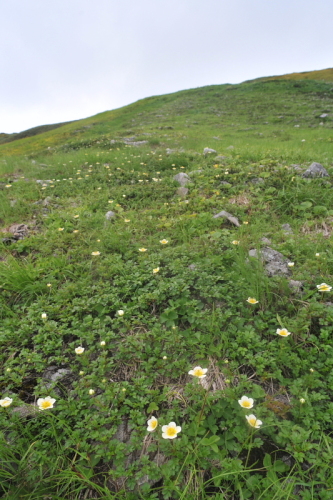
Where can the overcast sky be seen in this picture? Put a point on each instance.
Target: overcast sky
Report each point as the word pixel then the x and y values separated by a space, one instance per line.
pixel 69 59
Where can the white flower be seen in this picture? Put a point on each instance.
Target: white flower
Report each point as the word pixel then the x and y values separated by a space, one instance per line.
pixel 152 424
pixel 46 403
pixel 251 300
pixel 253 421
pixel 164 242
pixel 324 288
pixel 198 372
pixel 79 350
pixel 91 392
pixel 96 253
pixel 170 431
pixel 302 401
pixel 142 249
pixel 81 372
pixel 120 312
pixel 165 357
pixel 44 316
pixel 246 402
pixel 156 270
pixel 235 242
pixel 291 264
pixel 102 342
pixel 283 332
pixel 6 402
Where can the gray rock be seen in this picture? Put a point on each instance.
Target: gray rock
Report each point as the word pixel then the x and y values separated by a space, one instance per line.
pixel 182 191
pixel 265 240
pixel 53 373
pixel 225 183
pixel 220 158
pixel 182 178
pixel 295 286
pixel 208 151
pixel 275 263
pixel 287 229
pixel 137 143
pixel 315 170
pixel 192 267
pixel 230 147
pixel 109 215
pixel 228 216
pixel 324 115
pixel 257 180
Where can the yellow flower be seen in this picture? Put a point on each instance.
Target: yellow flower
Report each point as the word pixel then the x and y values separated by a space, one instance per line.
pixel 46 403
pixel 96 253
pixel 152 424
pixel 5 402
pixel 156 270
pixel 76 216
pixel 246 402
pixel 142 249
pixel 170 431
pixel 164 242
pixel 283 332
pixel 324 288
pixel 253 421
pixel 198 372
pixel 79 350
pixel 251 300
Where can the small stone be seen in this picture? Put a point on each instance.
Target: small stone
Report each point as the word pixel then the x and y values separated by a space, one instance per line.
pixel 182 178
pixel 295 286
pixel 324 115
pixel 275 263
pixel 287 229
pixel 208 151
pixel 265 240
pixel 228 216
pixel 315 170
pixel 109 215
pixel 192 267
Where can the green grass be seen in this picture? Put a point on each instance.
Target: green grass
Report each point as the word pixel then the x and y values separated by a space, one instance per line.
pixel 184 302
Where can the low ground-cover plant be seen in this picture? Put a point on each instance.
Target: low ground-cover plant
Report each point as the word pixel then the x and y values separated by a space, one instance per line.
pixel 145 354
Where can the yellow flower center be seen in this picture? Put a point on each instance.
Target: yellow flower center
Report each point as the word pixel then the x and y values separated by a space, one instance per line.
pixel 284 333
pixel 171 431
pixel 153 424
pixel 246 404
pixel 198 372
pixel 252 421
pixel 46 404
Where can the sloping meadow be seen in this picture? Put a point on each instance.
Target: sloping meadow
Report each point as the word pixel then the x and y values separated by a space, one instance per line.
pixel 151 348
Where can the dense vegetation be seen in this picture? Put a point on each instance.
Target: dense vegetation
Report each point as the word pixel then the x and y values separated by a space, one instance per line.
pixel 161 287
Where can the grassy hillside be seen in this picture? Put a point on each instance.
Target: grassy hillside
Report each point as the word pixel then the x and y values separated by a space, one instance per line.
pixel 128 305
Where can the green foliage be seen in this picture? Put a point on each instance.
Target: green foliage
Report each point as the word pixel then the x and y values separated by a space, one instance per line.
pixel 184 302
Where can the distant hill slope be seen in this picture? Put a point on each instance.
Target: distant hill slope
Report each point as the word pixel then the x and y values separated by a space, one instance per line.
pixel 325 75
pixel 246 105
pixel 4 138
